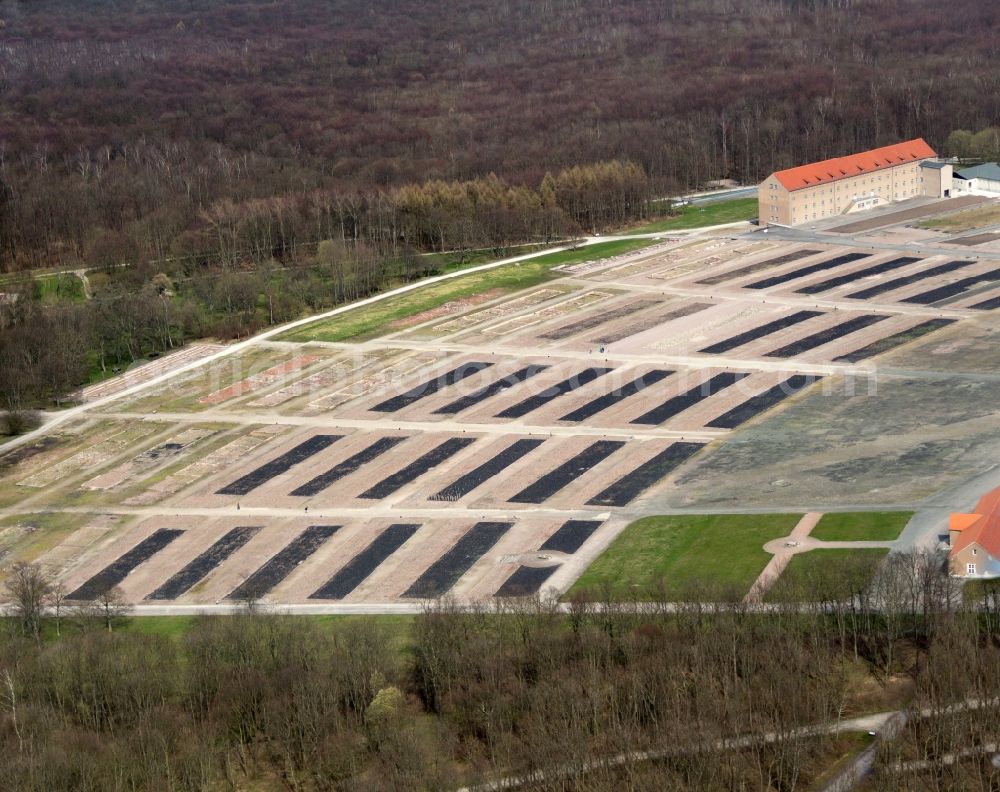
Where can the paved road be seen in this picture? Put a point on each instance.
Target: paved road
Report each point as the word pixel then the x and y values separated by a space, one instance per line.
pixel 727 195
pixel 688 361
pixel 389 424
pixel 426 513
pixel 713 196
pixel 950 758
pixel 333 512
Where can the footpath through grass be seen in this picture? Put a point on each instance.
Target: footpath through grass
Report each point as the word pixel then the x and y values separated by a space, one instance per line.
pixel 371 320
pixel 861 526
pixel 700 215
pixel 669 555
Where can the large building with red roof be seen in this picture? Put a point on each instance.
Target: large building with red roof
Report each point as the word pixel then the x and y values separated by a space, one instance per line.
pixel 975 539
pixel 844 184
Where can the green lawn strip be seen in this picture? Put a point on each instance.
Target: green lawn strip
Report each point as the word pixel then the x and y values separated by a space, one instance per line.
pixel 861 526
pixel 63 287
pixel 368 321
pixel 966 220
pixel 10 492
pixel 50 288
pixel 399 628
pixel 826 574
pixel 680 551
pixel 599 250
pixel 700 215
pixel 166 626
pixel 456 260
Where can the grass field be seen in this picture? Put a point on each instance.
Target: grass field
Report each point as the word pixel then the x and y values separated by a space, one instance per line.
pixel 178 626
pixel 25 537
pixel 50 288
pixel 979 217
pixel 60 288
pixel 451 261
pixel 679 551
pixel 370 320
pixel 826 574
pixel 861 526
pixel 699 215
pixel 398 629
pixel 600 250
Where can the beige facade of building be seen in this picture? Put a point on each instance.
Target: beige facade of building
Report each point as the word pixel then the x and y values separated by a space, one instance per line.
pixel 973 561
pixel 937 179
pixel 843 185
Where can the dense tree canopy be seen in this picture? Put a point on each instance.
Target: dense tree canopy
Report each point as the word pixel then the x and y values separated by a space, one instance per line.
pixel 125 124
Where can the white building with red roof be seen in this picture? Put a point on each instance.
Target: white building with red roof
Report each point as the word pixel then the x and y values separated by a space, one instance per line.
pixel 844 184
pixel 975 539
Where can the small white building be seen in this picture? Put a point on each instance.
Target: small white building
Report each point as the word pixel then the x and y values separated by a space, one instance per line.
pixel 979 180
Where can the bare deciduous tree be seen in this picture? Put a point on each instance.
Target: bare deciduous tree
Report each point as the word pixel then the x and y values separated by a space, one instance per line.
pixel 113 607
pixel 28 587
pixel 56 601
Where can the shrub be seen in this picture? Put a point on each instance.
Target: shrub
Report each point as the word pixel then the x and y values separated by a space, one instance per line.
pixel 17 422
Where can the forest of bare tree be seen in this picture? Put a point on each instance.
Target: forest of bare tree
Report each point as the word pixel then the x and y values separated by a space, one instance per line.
pixel 133 130
pixel 723 695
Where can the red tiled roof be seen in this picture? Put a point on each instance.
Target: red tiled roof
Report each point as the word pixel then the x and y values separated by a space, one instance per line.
pixel 985 531
pixel 959 522
pixel 989 503
pixel 854 164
